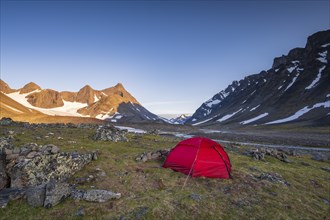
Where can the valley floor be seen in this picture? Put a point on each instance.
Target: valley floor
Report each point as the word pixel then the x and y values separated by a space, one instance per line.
pixel 281 136
pixel 259 189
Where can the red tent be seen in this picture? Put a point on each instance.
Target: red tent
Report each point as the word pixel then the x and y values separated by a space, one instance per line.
pixel 199 157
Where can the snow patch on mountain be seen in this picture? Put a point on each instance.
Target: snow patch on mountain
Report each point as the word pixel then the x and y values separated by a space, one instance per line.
pixel 68 109
pixel 179 120
pixel 202 122
pixel 318 77
pixel 96 99
pixel 226 117
pixel 254 119
pixel 293 81
pixel 254 108
pixel 301 112
pixel 295 65
pixel 212 102
pixel 323 57
pixel 105 115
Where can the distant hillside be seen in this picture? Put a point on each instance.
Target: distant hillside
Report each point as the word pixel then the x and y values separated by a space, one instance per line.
pixel 295 90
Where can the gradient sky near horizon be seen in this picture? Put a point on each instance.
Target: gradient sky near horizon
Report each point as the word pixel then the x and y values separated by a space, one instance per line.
pixel 171 55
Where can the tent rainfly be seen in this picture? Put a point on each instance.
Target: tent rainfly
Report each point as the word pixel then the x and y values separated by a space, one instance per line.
pixel 199 157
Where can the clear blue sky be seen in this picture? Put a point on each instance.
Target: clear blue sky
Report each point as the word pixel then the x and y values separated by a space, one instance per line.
pixel 170 55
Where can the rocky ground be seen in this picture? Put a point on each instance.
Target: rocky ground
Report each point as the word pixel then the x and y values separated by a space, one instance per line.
pixel 288 136
pixel 102 172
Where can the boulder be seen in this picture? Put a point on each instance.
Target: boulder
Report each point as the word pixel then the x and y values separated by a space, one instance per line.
pixel 32 165
pixel 273 177
pixel 153 132
pixel 109 133
pixel 42 168
pixel 98 195
pixel 77 194
pixel 4 181
pixel 36 195
pixel 8 194
pixel 259 154
pixel 49 149
pixel 30 146
pixel 55 193
pixel 6 142
pixel 153 155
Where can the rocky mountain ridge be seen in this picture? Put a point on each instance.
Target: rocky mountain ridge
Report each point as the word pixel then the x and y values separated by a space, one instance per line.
pixel 113 104
pixel 180 119
pixel 295 90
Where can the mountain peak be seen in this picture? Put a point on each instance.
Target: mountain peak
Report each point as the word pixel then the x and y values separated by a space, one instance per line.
pixel 4 87
pixel 180 119
pixel 86 95
pixel 86 87
pixel 31 86
pixel 119 86
pixel 317 39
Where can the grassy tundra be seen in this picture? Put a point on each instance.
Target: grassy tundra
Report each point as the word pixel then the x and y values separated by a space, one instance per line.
pixel 151 192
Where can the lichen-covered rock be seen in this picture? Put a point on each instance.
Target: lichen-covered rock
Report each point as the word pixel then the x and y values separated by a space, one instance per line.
pixel 43 168
pixel 35 196
pixel 154 155
pixel 55 193
pixel 32 165
pixel 153 132
pixel 98 195
pixel 6 142
pixel 259 154
pixel 273 177
pixel 109 133
pixel 49 149
pixel 8 194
